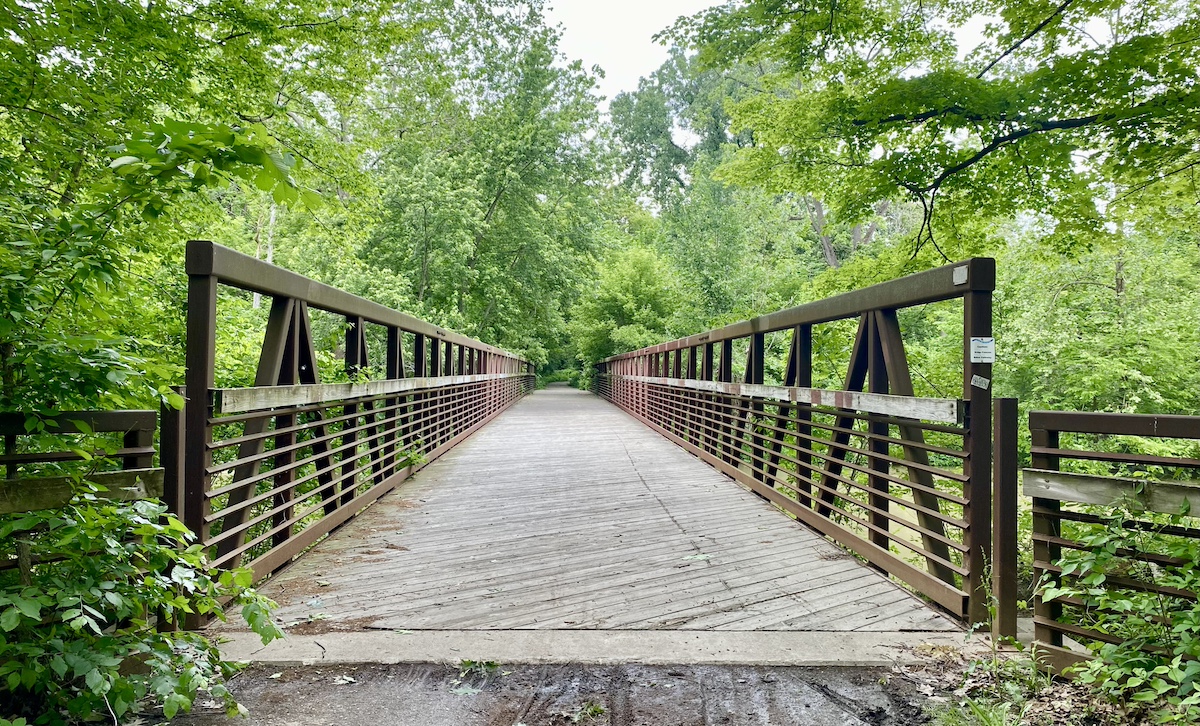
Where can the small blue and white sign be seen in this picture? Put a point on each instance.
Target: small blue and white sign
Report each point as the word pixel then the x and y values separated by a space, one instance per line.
pixel 983 350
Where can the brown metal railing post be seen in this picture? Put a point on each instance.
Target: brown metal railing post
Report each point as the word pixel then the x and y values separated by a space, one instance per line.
pixel 355 357
pixel 1048 525
pixel 977 390
pixel 803 353
pixel 200 376
pixel 755 373
pixel 877 382
pixel 725 402
pixel 1004 519
pixel 200 360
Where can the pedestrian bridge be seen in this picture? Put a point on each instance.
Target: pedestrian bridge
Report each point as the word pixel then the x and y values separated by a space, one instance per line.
pixel 773 491
pixel 564 513
pixel 703 485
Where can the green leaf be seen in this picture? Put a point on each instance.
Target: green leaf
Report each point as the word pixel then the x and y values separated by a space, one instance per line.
pixel 10 619
pixel 32 609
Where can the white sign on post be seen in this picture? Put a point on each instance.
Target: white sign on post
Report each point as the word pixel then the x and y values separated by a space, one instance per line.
pixel 983 350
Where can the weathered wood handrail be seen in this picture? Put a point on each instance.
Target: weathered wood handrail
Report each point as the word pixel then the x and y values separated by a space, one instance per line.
pixel 903 481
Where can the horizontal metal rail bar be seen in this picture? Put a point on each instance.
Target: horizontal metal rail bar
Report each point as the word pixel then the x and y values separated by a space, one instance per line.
pixel 709 425
pixel 419 423
pixel 238 270
pixel 1117 424
pixel 942 410
pixel 425 408
pixel 944 283
pixel 1117 456
pixel 757 464
pixel 64 422
pixel 50 457
pixel 697 411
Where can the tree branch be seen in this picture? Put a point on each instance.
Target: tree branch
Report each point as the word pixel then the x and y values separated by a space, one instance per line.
pixel 1000 141
pixel 1057 11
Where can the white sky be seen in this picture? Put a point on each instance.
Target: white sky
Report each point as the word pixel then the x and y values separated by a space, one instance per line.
pixel 615 35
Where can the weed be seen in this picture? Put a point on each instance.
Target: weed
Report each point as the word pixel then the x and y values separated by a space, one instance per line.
pixel 477 668
pixel 586 712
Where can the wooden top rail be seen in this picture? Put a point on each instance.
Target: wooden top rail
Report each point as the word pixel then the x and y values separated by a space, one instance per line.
pixel 258 398
pixel 977 274
pixel 242 271
pixel 925 409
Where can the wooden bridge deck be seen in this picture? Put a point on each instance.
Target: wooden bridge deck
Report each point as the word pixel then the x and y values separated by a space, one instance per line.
pixel 565 513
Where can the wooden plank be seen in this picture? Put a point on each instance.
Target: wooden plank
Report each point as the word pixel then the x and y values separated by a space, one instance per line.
pixel 49 492
pixel 940 410
pixel 1168 497
pixel 261 398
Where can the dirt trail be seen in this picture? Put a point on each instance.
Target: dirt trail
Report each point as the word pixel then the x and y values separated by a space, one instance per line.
pixel 559 695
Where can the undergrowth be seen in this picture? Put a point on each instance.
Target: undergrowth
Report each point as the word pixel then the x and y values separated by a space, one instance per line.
pixel 80 634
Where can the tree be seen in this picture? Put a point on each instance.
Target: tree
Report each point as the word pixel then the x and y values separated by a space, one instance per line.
pixel 230 91
pixel 491 209
pixel 1060 107
pixel 632 306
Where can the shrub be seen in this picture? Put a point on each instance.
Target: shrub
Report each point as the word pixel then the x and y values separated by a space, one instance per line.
pixel 1156 664
pixel 79 631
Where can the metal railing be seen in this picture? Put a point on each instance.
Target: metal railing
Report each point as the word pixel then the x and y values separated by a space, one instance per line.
pixel 268 470
pixel 904 482
pixel 1081 475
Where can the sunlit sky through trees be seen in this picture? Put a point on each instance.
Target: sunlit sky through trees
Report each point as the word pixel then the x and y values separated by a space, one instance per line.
pixel 617 36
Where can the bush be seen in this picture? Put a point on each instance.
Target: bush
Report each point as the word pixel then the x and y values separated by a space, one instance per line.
pixel 79 628
pixel 564 375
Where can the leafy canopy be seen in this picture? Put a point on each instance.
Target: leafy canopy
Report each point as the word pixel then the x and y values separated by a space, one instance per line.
pixel 1060 108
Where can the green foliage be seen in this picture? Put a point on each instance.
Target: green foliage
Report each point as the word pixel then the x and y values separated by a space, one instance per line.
pixel 874 100
pixel 585 713
pixel 491 207
pixel 78 638
pixel 1156 661
pixel 64 266
pixel 631 307
pixel 477 668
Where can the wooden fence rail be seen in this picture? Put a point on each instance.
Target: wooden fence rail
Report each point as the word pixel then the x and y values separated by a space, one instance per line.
pixel 119 456
pixel 904 482
pixel 267 470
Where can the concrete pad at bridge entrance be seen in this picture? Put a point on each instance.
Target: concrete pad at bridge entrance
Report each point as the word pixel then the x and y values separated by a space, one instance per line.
pixel 540 647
